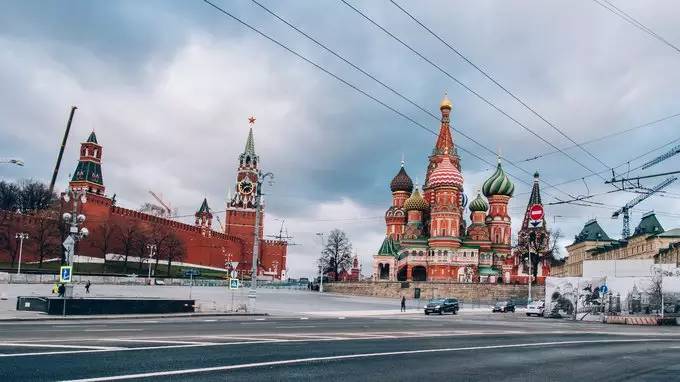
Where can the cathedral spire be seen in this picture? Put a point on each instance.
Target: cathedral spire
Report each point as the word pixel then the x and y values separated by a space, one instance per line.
pixel 444 139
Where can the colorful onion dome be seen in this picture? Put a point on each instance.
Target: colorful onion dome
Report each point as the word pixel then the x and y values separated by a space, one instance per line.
pixel 479 204
pixel 401 182
pixel 498 183
pixel 415 202
pixel 446 174
pixel 446 103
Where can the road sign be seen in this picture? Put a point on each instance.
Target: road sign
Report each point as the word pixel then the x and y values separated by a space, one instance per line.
pixel 233 284
pixel 604 289
pixel 233 264
pixel 68 243
pixel 65 274
pixel 234 274
pixel 536 214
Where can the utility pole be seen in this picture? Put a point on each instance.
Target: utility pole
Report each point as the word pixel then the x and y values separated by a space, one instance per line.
pixel 152 250
pixel 61 150
pixel 321 272
pixel 73 219
pixel 21 236
pixel 252 293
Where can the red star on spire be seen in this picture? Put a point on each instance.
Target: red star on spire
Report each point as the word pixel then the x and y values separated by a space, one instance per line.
pixel 251 120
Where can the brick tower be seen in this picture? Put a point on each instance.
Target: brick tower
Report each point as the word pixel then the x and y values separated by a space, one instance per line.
pixel 204 218
pixel 240 216
pixel 88 174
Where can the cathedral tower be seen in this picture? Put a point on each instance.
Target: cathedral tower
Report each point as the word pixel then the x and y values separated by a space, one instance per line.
pixel 395 217
pixel 499 189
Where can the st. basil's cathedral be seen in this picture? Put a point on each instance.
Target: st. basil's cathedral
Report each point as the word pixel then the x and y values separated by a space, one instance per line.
pixel 428 238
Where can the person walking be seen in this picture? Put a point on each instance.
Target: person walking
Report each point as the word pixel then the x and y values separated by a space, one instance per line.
pixel 403 303
pixel 61 290
pixel 87 287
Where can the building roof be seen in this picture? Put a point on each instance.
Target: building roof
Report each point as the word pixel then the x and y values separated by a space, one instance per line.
pixel 92 138
pixel 479 204
pixel 250 144
pixel 675 232
pixel 204 207
pixel 649 225
pixel 401 181
pixel 415 202
pixel 591 232
pixel 446 103
pixel 487 271
pixel 88 171
pixel 498 183
pixel 389 248
pixel 446 174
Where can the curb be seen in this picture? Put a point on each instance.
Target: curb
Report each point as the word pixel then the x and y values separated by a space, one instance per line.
pixel 131 317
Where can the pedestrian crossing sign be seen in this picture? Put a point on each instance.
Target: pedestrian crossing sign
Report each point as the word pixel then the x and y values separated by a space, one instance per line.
pixel 233 284
pixel 65 274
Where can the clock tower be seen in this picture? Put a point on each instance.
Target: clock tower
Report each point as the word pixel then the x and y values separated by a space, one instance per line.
pixel 240 217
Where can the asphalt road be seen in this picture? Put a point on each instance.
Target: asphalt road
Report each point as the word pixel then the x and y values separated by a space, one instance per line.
pixel 464 347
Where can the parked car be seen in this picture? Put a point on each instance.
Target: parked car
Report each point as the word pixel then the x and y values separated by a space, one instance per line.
pixel 158 282
pixel 504 306
pixel 536 308
pixel 442 305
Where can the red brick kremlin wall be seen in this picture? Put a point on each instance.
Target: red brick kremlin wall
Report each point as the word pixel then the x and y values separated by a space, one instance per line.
pixel 211 250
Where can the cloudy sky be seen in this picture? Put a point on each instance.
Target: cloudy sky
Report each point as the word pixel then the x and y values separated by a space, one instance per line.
pixel 168 87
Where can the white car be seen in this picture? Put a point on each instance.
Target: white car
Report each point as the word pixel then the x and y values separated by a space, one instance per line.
pixel 536 308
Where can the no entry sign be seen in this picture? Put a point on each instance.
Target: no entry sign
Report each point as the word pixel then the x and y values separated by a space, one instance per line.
pixel 536 212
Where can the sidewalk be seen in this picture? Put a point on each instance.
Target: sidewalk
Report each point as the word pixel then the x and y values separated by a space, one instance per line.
pixel 22 316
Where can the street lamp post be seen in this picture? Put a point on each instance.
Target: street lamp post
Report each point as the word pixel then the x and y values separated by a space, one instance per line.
pixel 321 272
pixel 21 236
pixel 74 220
pixel 252 293
pixel 17 162
pixel 152 252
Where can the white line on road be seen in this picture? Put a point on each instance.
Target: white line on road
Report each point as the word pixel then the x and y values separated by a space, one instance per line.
pixel 295 326
pixel 349 356
pixel 24 345
pixel 113 330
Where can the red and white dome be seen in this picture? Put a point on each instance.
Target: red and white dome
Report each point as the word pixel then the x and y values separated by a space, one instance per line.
pixel 446 174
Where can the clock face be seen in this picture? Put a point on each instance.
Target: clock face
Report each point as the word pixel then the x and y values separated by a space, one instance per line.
pixel 245 187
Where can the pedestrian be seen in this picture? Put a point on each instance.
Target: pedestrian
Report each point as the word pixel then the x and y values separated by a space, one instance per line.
pixel 87 286
pixel 403 303
pixel 61 290
pixel 55 288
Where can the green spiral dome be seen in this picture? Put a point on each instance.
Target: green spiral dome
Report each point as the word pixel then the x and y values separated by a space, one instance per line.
pixel 498 184
pixel 479 204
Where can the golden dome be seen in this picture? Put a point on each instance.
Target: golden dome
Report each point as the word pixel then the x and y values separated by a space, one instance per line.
pixel 446 103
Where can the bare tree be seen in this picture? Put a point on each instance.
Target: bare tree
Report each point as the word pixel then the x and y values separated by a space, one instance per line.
pixel 105 237
pixel 45 235
pixel 8 244
pixel 158 236
pixel 129 238
pixel 174 250
pixel 35 196
pixel 10 196
pixel 337 255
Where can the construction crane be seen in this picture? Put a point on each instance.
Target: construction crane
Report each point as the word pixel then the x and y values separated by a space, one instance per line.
pixel 220 221
pixel 283 234
pixel 162 203
pixel 674 151
pixel 625 209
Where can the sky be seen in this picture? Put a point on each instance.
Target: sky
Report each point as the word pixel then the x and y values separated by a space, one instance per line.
pixel 168 87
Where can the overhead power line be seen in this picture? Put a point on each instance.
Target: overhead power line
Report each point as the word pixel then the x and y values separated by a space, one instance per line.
pixel 492 79
pixel 607 136
pixel 345 82
pixel 391 89
pixel 634 22
pixel 466 87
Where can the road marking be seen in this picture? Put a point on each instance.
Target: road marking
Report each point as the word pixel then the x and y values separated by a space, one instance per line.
pixel 209 320
pixel 150 322
pixel 24 345
pixel 132 340
pixel 295 326
pixel 304 318
pixel 341 318
pixel 113 330
pixel 348 356
pixel 260 319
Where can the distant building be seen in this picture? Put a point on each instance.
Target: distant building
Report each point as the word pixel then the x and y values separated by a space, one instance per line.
pixel 649 241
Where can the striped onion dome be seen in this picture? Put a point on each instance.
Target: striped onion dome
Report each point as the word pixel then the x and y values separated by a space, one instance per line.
pixel 498 183
pixel 401 182
pixel 479 204
pixel 446 174
pixel 415 202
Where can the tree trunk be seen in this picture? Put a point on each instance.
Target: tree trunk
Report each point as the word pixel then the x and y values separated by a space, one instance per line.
pixel 169 264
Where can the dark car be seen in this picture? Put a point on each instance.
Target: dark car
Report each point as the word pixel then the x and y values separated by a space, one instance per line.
pixel 504 306
pixel 442 305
